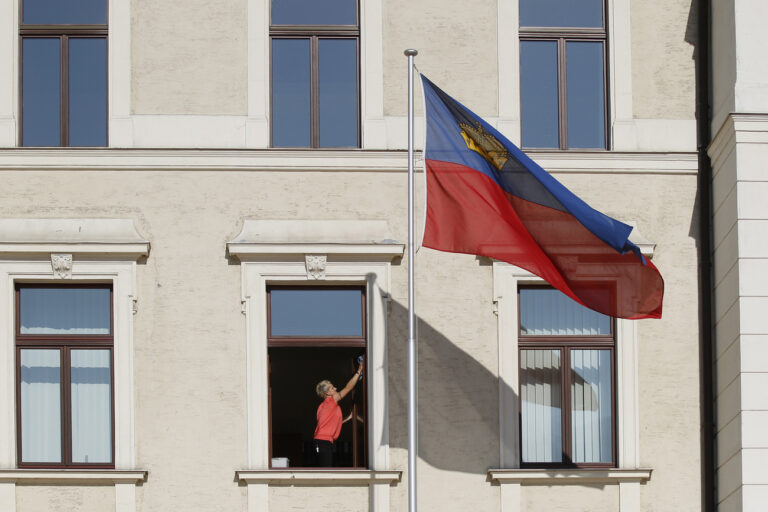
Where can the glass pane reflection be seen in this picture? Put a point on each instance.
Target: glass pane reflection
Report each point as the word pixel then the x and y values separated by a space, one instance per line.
pixel 561 13
pixel 290 93
pixel 538 94
pixel 65 310
pixel 316 312
pixel 65 12
pixel 586 97
pixel 338 92
pixel 314 12
pixel 88 92
pixel 41 91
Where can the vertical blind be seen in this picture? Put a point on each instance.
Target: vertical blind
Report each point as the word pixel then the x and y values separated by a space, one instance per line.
pixel 591 400
pixel 541 408
pixel 41 405
pixel 91 406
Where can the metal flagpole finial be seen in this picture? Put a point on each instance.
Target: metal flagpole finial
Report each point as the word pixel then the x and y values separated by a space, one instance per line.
pixel 410 52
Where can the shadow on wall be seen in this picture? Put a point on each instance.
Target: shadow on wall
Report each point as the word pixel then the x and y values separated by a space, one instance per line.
pixel 458 399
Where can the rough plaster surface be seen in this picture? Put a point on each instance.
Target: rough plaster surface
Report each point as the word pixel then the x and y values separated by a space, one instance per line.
pixel 663 68
pixel 189 338
pixel 458 52
pixel 189 57
pixel 33 498
pixel 567 498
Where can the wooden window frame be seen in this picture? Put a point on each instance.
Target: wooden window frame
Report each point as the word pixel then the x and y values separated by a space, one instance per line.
pixel 360 461
pixel 65 343
pixel 314 33
pixel 63 32
pixel 561 36
pixel 565 344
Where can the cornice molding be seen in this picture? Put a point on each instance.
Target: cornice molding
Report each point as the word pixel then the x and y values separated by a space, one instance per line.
pixel 568 476
pixel 314 477
pixel 71 236
pixel 303 160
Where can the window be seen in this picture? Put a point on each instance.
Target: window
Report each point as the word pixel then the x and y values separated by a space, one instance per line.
pixel 64 343
pixel 563 74
pixel 315 73
pixel 63 72
pixel 315 333
pixel 566 382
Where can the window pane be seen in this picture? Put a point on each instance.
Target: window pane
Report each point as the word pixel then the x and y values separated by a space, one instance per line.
pixel 591 400
pixel 540 406
pixel 338 92
pixel 549 312
pixel 40 405
pixel 314 12
pixel 65 310
pixel 91 406
pixel 290 93
pixel 69 12
pixel 538 94
pixel 561 13
pixel 316 312
pixel 88 92
pixel 41 90
pixel 586 94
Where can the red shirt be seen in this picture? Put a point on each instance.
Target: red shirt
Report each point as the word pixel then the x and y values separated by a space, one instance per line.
pixel 328 420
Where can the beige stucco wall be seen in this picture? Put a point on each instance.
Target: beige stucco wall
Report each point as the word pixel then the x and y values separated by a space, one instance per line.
pixel 457 51
pixel 69 498
pixel 189 57
pixel 663 68
pixel 189 339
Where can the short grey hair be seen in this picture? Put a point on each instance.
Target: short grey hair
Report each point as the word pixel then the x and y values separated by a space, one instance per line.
pixel 322 387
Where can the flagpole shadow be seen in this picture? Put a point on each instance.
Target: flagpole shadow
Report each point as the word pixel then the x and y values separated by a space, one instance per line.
pixel 458 399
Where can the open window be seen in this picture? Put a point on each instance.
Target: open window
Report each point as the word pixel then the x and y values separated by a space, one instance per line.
pixel 315 333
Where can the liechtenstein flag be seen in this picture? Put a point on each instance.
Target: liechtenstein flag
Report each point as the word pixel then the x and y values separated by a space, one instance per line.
pixel 486 197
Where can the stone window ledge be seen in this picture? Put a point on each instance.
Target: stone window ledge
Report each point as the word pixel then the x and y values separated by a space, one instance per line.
pixel 72 476
pixel 319 477
pixel 568 476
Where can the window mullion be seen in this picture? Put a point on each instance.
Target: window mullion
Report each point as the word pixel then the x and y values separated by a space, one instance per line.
pixel 314 91
pixel 562 94
pixel 66 407
pixel 566 404
pixel 64 88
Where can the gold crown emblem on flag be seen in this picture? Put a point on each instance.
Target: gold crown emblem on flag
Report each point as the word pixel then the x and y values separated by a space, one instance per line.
pixel 484 143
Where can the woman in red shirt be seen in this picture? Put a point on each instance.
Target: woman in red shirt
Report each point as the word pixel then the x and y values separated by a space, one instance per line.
pixel 329 418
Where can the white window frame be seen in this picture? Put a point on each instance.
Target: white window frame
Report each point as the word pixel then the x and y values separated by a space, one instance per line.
pixel 312 251
pixel 371 61
pixel 628 475
pixel 621 124
pixel 78 251
pixel 119 125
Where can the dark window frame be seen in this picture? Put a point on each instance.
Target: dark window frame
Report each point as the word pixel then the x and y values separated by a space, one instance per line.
pixel 63 32
pixel 360 461
pixel 561 36
pixel 314 33
pixel 565 344
pixel 65 343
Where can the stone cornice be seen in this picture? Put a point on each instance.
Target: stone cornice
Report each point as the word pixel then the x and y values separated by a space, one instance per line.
pixel 301 160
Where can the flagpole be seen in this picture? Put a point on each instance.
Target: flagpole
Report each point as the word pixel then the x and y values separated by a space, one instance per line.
pixel 413 432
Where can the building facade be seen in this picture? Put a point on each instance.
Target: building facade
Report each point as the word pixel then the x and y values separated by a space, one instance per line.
pixel 203 212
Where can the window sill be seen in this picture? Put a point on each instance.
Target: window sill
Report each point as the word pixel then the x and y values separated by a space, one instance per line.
pixel 72 476
pixel 318 476
pixel 568 476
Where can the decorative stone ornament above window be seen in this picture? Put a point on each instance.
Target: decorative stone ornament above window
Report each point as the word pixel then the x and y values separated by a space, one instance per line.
pixel 93 251
pixel 352 253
